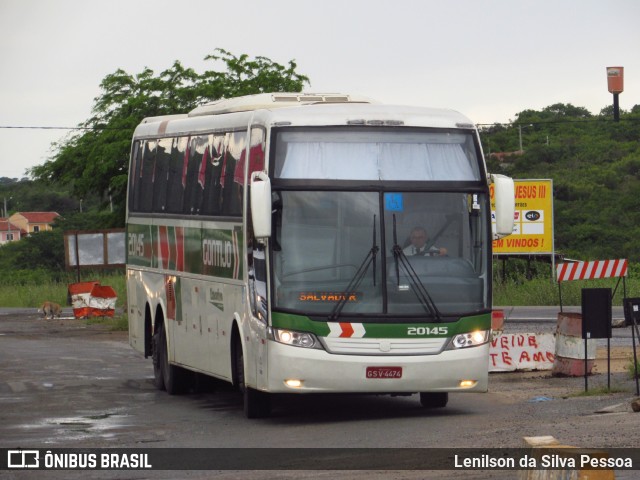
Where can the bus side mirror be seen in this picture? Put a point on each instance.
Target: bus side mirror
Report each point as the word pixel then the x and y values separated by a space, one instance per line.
pixel 261 204
pixel 505 201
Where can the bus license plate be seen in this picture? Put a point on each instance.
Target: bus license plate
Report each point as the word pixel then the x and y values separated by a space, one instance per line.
pixel 384 372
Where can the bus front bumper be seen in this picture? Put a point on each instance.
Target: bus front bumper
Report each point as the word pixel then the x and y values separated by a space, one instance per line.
pixel 304 370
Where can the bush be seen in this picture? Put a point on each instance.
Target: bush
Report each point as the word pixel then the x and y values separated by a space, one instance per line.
pixel 29 289
pixel 41 251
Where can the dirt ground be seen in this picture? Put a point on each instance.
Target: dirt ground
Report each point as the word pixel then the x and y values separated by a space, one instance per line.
pixel 620 358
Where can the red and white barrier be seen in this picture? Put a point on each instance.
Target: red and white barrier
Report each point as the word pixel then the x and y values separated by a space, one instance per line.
pixel 591 270
pixel 569 359
pixel 90 299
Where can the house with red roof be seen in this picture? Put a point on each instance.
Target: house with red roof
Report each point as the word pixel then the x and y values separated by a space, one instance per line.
pixel 33 222
pixel 10 232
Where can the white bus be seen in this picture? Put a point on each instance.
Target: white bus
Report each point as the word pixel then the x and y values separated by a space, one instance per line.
pixel 269 245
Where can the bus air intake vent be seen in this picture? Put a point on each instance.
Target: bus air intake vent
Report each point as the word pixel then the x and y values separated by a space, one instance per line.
pixel 272 100
pixel 311 98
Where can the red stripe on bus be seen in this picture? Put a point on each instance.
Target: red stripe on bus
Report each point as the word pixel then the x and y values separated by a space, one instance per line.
pixel 179 233
pixel 347 330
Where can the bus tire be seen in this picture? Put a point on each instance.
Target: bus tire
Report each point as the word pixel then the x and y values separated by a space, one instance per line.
pixel 174 378
pixel 257 404
pixel 158 351
pixel 434 399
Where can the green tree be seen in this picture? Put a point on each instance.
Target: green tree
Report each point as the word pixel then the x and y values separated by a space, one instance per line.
pixel 94 160
pixel 595 166
pixel 39 196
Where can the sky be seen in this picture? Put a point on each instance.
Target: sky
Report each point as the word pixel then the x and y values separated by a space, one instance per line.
pixel 489 59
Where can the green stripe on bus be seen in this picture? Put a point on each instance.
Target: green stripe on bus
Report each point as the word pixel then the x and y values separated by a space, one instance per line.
pixel 385 330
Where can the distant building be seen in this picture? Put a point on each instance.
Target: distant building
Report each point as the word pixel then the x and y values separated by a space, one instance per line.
pixel 10 232
pixel 33 222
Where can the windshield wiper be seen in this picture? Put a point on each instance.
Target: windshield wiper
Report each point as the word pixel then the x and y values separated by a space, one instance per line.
pixel 418 287
pixel 359 275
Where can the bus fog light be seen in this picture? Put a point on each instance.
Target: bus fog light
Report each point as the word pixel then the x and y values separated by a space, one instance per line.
pixel 467 383
pixel 471 339
pixel 293 383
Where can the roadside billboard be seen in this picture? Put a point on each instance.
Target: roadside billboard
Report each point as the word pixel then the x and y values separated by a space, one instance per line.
pixel 95 248
pixel 533 226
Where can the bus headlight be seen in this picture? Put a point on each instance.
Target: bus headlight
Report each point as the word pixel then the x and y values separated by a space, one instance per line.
pixel 293 338
pixel 471 339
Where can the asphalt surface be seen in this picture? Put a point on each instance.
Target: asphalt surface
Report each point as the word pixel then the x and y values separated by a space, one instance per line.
pixel 70 384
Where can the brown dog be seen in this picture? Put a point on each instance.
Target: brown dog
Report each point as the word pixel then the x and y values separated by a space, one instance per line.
pixel 50 309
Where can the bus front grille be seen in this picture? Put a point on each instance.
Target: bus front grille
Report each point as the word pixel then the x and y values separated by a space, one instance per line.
pixel 384 346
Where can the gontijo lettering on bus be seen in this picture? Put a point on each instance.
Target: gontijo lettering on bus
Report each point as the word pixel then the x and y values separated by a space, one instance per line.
pixel 221 253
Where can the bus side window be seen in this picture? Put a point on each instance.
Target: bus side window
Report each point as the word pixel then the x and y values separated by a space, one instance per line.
pixel 160 175
pixel 134 175
pixel 256 163
pixel 145 180
pixel 192 179
pixel 256 152
pixel 210 177
pixel 232 183
pixel 176 184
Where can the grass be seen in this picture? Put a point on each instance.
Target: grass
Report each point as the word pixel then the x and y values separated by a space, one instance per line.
pixel 118 322
pixel 592 392
pixel 631 369
pixel 546 292
pixel 32 293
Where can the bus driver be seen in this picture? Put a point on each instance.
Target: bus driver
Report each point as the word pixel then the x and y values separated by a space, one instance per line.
pixel 418 245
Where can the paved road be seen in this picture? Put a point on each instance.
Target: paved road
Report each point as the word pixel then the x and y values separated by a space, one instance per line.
pixel 546 314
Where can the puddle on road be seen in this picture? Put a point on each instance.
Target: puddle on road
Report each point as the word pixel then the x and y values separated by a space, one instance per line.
pixel 103 425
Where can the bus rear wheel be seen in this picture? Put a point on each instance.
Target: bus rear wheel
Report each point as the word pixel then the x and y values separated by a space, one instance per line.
pixel 157 354
pixel 257 404
pixel 172 378
pixel 434 399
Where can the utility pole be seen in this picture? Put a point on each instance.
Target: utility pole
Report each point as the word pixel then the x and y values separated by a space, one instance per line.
pixel 520 135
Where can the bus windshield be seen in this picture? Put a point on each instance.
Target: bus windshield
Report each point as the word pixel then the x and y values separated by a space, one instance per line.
pixel 419 254
pixel 360 153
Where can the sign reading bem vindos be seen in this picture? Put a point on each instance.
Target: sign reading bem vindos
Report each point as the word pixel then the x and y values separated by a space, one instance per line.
pixel 533 222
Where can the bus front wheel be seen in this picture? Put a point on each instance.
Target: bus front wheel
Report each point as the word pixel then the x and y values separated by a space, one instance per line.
pixel 434 399
pixel 257 404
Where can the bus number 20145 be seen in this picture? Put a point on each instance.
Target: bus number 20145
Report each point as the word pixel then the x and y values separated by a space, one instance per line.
pixel 427 331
